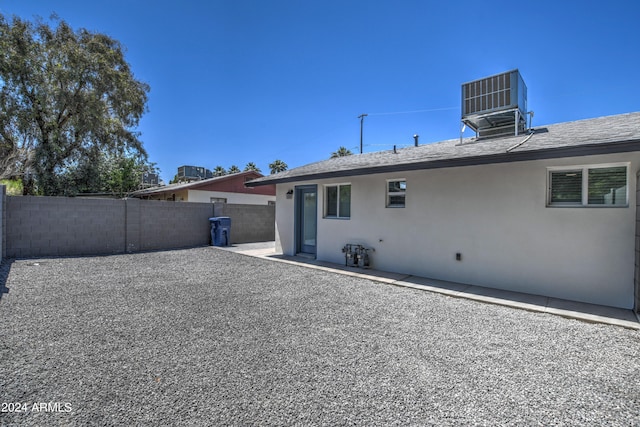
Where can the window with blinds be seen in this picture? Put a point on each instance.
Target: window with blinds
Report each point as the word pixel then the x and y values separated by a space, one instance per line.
pixel 604 185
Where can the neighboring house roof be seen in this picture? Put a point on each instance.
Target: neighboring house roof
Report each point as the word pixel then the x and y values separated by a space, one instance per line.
pixel 234 183
pixel 611 134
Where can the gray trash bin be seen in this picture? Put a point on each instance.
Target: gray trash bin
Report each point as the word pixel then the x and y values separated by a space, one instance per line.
pixel 220 231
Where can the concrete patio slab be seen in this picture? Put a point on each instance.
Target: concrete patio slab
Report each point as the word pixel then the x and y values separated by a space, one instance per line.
pixel 450 288
pixel 253 249
pixel 377 275
pixel 504 297
pixel 592 312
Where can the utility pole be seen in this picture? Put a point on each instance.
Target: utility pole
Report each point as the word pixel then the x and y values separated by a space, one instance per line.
pixel 361 117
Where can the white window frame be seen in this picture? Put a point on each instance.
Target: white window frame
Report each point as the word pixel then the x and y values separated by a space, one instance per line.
pixel 326 203
pixel 584 203
pixel 388 193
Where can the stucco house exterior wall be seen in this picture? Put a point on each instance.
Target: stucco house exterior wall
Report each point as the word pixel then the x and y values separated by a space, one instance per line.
pixel 484 211
pixel 496 217
pixel 234 198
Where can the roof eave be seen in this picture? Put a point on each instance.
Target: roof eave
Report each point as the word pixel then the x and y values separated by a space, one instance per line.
pixel 193 185
pixel 505 157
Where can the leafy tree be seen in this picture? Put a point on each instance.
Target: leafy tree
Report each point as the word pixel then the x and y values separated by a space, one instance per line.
pixel 125 175
pixel 65 97
pixel 233 169
pixel 341 152
pixel 277 166
pixel 219 171
pixel 14 186
pixel 118 175
pixel 88 175
pixel 251 167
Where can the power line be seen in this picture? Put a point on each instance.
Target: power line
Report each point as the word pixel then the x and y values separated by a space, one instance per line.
pixel 387 145
pixel 414 111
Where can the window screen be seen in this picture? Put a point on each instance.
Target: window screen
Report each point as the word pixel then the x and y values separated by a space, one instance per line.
pixel 608 186
pixel 396 193
pixel 332 201
pixel 338 201
pixel 345 201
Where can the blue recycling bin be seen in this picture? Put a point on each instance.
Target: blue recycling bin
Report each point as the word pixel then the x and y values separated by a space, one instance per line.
pixel 220 231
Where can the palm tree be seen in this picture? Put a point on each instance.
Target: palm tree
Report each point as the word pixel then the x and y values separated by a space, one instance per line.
pixel 233 169
pixel 251 167
pixel 219 171
pixel 277 166
pixel 342 151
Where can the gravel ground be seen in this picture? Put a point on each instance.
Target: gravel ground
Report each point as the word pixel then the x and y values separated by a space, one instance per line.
pixel 208 337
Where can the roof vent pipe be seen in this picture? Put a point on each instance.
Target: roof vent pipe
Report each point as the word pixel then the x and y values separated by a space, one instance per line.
pixel 415 139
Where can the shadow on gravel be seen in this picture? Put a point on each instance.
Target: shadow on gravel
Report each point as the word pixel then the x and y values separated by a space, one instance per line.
pixel 5 266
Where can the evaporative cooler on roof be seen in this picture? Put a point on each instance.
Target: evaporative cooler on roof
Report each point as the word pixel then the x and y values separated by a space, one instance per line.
pixel 194 173
pixel 495 105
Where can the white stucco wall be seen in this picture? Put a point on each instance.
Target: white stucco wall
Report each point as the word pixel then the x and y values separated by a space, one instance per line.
pixel 496 217
pixel 234 198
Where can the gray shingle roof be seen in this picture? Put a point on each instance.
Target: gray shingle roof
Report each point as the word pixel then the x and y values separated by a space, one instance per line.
pixel 620 133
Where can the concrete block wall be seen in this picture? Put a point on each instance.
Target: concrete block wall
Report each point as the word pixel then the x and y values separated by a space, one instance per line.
pixel 173 225
pixel 61 226
pixel 249 223
pixel 132 219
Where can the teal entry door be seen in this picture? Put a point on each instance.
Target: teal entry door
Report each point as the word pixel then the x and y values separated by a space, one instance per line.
pixel 306 199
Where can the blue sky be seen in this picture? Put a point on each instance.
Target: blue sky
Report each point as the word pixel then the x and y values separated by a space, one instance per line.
pixel 238 81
